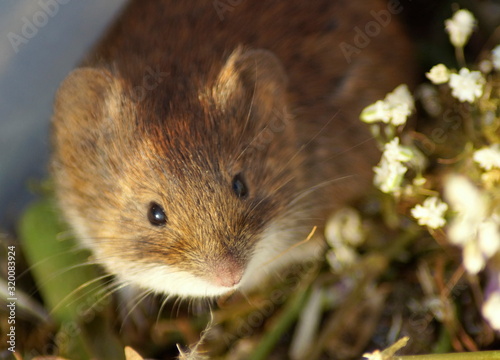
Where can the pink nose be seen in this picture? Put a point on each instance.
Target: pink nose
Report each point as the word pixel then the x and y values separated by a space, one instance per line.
pixel 227 274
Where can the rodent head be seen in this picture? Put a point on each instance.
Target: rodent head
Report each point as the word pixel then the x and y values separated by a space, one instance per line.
pixel 185 195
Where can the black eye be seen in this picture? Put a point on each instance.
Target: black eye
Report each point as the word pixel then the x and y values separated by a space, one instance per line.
pixel 239 186
pixel 156 215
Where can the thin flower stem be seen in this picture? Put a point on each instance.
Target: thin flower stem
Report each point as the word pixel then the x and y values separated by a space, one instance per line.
pixel 478 355
pixel 459 54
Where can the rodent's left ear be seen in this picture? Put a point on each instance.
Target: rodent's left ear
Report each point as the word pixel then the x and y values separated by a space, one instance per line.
pixel 80 101
pixel 251 76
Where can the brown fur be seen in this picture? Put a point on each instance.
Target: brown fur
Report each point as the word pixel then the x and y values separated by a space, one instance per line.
pixel 174 102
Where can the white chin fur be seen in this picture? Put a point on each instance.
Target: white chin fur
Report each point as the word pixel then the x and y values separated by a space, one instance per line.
pixel 167 280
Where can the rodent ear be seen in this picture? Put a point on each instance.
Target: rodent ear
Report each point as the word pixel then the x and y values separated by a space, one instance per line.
pixel 80 99
pixel 256 76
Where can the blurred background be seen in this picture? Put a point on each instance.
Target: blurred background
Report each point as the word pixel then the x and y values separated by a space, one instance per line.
pixel 42 40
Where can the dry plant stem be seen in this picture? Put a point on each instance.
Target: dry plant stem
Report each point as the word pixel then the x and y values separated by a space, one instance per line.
pixel 482 355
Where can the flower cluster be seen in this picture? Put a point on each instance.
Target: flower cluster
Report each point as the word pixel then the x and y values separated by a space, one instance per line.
pixel 466 85
pixel 471 215
pixel 394 109
pixel 475 227
pixel 430 213
pixel 344 232
pixel 391 169
pixel 488 157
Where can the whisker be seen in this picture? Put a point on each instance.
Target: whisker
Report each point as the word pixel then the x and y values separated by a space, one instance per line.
pixel 318 186
pixel 75 291
pixel 137 300
pixel 48 259
pixel 304 146
pixel 292 247
pixel 163 304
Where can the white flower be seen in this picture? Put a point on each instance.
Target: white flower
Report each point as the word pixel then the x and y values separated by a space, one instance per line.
pixel 489 236
pixel 389 175
pixel 473 259
pixel 341 257
pixel 376 355
pixel 496 57
pixel 400 96
pixel 430 213
pixel 471 207
pixel 460 27
pixel 488 157
pixel 467 85
pixel 395 152
pixel 473 228
pixel 394 109
pixel 378 111
pixel 399 114
pixel 401 104
pixel 390 170
pixel 345 228
pixel 491 310
pixel 464 197
pixel 439 74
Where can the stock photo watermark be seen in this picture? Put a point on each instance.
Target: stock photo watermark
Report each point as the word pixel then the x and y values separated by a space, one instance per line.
pixel 363 35
pixel 31 25
pixel 151 79
pixel 11 298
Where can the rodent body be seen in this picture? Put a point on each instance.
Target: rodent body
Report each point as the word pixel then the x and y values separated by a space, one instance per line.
pixel 190 150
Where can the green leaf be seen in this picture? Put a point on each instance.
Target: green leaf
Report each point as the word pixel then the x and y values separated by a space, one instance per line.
pixel 67 284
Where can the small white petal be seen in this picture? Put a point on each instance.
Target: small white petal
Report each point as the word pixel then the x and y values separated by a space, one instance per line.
pixel 460 27
pixel 496 57
pixel 488 157
pixel 395 152
pixel 400 96
pixel 399 114
pixel 491 310
pixel 473 258
pixel 462 230
pixel 439 74
pixel 489 236
pixel 379 111
pixel 467 85
pixel 466 198
pixel 389 175
pixel 376 355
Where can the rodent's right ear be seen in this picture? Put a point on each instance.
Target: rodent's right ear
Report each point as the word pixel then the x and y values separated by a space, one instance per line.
pixel 255 77
pixel 81 98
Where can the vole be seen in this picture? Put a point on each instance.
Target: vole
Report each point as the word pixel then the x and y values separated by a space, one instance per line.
pixel 200 140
